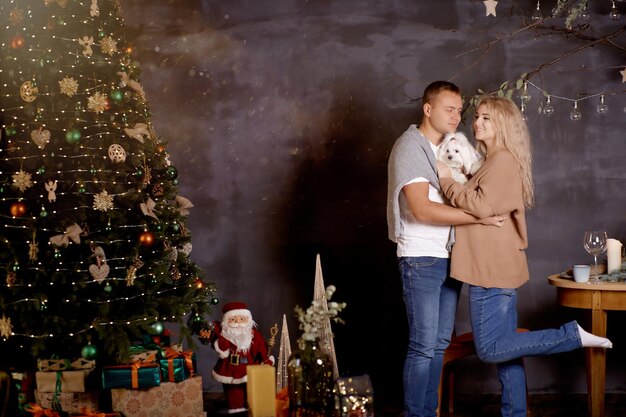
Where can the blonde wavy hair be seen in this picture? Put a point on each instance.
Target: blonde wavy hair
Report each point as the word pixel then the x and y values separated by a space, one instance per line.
pixel 512 134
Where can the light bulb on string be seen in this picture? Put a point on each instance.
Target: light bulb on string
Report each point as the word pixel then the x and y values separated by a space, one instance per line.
pixel 602 107
pixel 548 108
pixel 525 95
pixel 575 114
pixel 522 109
pixel 614 14
pixel 537 16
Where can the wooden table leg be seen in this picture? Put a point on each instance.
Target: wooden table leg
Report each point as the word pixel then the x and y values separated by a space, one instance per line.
pixel 596 360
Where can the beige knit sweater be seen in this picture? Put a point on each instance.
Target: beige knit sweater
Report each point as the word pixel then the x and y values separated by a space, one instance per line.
pixel 489 256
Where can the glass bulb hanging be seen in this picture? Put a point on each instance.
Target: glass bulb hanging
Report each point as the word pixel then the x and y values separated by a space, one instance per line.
pixel 575 114
pixel 522 109
pixel 548 108
pixel 525 95
pixel 602 107
pixel 614 14
pixel 537 16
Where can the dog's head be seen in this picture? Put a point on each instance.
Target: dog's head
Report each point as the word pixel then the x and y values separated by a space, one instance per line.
pixel 457 152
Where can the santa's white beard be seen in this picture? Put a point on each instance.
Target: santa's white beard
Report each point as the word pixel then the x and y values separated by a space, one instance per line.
pixel 240 334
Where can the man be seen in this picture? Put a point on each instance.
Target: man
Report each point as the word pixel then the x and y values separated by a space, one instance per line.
pixel 419 222
pixel 238 344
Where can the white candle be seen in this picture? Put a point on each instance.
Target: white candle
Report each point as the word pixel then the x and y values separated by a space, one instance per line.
pixel 613 255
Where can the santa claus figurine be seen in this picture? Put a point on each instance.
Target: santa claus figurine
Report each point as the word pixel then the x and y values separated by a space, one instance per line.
pixel 238 344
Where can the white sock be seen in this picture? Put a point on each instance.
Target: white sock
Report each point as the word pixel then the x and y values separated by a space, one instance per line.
pixel 591 340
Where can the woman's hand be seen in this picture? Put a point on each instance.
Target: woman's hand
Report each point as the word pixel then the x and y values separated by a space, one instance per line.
pixel 493 221
pixel 443 170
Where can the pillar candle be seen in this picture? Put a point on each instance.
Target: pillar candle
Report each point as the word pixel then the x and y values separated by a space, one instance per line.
pixel 613 255
pixel 261 390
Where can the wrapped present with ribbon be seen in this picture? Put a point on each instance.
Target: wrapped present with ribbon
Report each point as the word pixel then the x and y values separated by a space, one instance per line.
pixel 176 365
pixel 63 381
pixel 70 402
pixel 135 376
pixel 38 411
pixel 144 356
pixel 181 399
pixel 48 365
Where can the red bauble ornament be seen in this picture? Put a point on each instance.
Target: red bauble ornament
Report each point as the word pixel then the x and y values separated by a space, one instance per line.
pixel 160 148
pixel 199 283
pixel 146 238
pixel 18 209
pixel 17 42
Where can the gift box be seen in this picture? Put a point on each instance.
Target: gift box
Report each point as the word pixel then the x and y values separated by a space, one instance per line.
pixel 64 381
pixel 142 355
pixel 182 399
pixel 131 376
pixel 71 402
pixel 48 365
pixel 177 365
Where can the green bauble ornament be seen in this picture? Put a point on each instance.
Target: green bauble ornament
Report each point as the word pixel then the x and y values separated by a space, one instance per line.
pixel 176 227
pixel 156 328
pixel 57 254
pixel 41 170
pixel 215 300
pixel 89 352
pixel 139 172
pixel 117 96
pixel 108 287
pixel 43 212
pixel 171 173
pixel 198 319
pixel 72 136
pixel 175 181
pixel 81 189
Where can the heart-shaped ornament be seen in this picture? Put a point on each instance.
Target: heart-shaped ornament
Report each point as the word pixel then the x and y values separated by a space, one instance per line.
pixel 99 273
pixel 40 137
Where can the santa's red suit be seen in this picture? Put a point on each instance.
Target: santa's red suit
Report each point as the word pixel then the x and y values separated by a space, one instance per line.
pixel 233 359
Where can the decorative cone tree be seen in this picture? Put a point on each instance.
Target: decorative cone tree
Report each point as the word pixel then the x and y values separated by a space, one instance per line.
pixel 93 243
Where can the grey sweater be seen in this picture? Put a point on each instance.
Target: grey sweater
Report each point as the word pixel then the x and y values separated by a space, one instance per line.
pixel 411 157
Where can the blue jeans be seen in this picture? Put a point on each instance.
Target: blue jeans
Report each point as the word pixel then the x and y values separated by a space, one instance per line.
pixel 431 298
pixel 493 315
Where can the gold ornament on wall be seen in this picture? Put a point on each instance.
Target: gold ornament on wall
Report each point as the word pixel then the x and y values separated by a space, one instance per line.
pixel 28 92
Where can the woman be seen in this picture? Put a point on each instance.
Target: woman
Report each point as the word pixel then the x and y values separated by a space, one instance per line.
pixel 492 259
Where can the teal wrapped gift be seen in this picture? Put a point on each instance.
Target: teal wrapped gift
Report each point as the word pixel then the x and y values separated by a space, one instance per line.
pixel 179 368
pixel 131 376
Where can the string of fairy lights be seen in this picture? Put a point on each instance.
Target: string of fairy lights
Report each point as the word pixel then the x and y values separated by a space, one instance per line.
pixel 547 107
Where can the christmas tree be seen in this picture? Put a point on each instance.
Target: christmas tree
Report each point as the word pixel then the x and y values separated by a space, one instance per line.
pixel 94 252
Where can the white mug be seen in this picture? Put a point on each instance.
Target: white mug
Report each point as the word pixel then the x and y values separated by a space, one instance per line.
pixel 581 273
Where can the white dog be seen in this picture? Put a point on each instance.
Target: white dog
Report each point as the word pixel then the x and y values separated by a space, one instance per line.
pixel 458 153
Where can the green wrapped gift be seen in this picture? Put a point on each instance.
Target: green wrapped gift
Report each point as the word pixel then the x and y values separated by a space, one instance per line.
pixel 131 376
pixel 178 369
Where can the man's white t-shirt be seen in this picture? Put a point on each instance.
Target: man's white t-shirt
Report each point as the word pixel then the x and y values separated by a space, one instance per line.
pixel 421 239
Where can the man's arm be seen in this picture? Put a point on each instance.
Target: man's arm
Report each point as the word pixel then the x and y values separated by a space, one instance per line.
pixel 427 211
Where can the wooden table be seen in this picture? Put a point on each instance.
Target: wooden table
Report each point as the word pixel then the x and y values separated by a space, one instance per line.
pixel 599 298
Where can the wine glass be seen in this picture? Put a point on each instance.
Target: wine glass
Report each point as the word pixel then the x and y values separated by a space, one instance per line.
pixel 595 244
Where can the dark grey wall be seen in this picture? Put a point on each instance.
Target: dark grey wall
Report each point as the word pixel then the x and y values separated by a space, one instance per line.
pixel 280 116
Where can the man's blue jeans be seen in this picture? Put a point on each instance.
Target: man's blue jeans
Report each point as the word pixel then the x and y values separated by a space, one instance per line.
pixel 431 300
pixel 493 315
